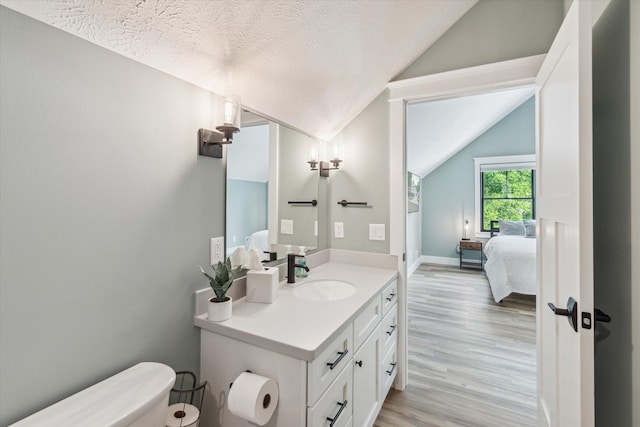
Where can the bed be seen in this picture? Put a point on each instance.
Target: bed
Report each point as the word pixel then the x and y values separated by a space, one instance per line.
pixel 259 241
pixel 511 262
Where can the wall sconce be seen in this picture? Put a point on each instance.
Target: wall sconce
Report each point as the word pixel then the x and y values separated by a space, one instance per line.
pixel 210 141
pixel 335 154
pixel 466 230
pixel 313 157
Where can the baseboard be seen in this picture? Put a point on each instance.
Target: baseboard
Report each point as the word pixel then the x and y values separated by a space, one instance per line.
pixel 427 259
pixel 413 267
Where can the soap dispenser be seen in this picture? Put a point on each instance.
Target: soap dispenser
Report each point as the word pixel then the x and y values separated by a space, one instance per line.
pixel 301 272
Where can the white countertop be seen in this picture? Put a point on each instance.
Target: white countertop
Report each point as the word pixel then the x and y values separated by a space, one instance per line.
pixel 297 327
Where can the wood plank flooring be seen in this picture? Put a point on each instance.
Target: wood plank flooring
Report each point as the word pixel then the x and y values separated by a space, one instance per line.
pixel 472 362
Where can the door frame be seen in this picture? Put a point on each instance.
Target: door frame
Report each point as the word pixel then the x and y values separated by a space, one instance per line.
pixel 467 81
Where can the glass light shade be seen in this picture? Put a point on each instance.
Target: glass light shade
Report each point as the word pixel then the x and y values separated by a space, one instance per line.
pixel 314 151
pixel 231 111
pixel 335 150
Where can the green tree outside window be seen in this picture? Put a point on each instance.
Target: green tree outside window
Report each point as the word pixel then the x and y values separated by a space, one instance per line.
pixel 507 195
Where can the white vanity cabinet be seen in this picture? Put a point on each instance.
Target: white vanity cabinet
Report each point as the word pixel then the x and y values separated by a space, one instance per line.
pixel 367 398
pixel 340 380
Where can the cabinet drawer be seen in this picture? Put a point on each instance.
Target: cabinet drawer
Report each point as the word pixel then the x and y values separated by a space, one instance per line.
pixel 468 244
pixel 336 404
pixel 389 370
pixel 366 322
pixel 389 296
pixel 389 329
pixel 326 367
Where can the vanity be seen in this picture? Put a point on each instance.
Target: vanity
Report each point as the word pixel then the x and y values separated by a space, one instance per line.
pixel 331 349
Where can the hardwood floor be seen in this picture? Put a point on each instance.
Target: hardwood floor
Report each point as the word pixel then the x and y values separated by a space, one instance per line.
pixel 472 362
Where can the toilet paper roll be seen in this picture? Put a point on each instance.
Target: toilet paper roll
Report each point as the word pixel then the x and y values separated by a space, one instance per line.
pixel 182 415
pixel 253 397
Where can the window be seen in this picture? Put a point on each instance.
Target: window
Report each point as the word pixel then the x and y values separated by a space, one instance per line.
pixel 505 189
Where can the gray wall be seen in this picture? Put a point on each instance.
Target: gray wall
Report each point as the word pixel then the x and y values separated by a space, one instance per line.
pixel 634 49
pixel 612 215
pixel 247 209
pixel 492 30
pixel 296 182
pixel 105 211
pixel 363 177
pixel 448 193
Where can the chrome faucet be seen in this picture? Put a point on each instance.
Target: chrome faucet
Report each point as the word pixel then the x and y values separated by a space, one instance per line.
pixel 291 268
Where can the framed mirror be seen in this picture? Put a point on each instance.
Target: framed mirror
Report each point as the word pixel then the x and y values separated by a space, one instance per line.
pixel 270 190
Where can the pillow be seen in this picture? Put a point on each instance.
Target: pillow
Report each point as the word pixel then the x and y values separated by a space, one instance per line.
pixel 530 228
pixel 511 228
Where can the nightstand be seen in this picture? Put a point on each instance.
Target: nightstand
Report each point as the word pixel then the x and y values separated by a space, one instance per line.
pixel 471 245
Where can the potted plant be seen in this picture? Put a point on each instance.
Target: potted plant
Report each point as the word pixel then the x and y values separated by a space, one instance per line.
pixel 220 282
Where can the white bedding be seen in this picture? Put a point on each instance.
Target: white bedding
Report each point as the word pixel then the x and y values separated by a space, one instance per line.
pixel 259 240
pixel 511 265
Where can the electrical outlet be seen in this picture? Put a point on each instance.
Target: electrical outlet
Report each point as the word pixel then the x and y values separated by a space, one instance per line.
pixel 338 228
pixel 217 250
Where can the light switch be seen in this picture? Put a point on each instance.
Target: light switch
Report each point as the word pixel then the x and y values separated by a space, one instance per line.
pixel 286 226
pixel 376 232
pixel 338 228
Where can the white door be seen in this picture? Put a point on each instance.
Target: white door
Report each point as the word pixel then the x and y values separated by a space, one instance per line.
pixel 565 225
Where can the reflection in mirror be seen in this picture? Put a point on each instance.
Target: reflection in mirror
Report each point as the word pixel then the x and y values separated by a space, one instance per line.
pixel 297 189
pixel 247 186
pixel 266 169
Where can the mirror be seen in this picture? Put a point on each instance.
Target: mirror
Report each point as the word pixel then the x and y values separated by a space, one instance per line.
pixel 267 173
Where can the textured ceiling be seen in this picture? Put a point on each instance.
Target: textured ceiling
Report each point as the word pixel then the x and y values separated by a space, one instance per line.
pixel 311 64
pixel 439 129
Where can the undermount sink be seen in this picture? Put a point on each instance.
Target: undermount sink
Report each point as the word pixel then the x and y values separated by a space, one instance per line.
pixel 324 290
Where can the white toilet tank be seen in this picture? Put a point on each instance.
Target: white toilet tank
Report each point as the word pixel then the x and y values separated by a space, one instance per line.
pixel 136 397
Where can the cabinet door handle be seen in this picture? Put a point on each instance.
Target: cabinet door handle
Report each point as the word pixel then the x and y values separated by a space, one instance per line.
pixel 393 368
pixel 342 354
pixel 359 363
pixel 391 297
pixel 337 415
pixel 390 331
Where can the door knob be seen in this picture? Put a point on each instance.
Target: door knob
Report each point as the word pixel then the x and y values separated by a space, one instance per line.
pixel 601 316
pixel 571 312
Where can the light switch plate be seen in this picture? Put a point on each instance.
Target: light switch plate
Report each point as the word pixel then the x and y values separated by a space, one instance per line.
pixel 217 250
pixel 376 232
pixel 338 228
pixel 286 226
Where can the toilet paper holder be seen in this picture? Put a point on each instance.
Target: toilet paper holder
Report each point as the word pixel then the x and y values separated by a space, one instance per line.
pixel 231 384
pixel 266 401
pixel 186 392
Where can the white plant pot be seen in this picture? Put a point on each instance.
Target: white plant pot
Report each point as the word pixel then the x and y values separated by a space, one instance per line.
pixel 219 311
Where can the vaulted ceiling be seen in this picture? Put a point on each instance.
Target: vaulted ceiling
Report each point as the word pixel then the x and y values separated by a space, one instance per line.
pixel 314 65
pixel 437 130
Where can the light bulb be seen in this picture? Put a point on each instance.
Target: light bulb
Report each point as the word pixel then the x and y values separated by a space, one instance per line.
pixel 230 110
pixel 313 151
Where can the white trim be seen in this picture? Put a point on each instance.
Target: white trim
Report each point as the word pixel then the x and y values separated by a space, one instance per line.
pixel 413 267
pixel 466 81
pixel 272 200
pixel 398 226
pixel 441 260
pixel 528 161
pixel 483 78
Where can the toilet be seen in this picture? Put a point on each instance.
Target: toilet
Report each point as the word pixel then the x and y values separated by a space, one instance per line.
pixel 135 397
